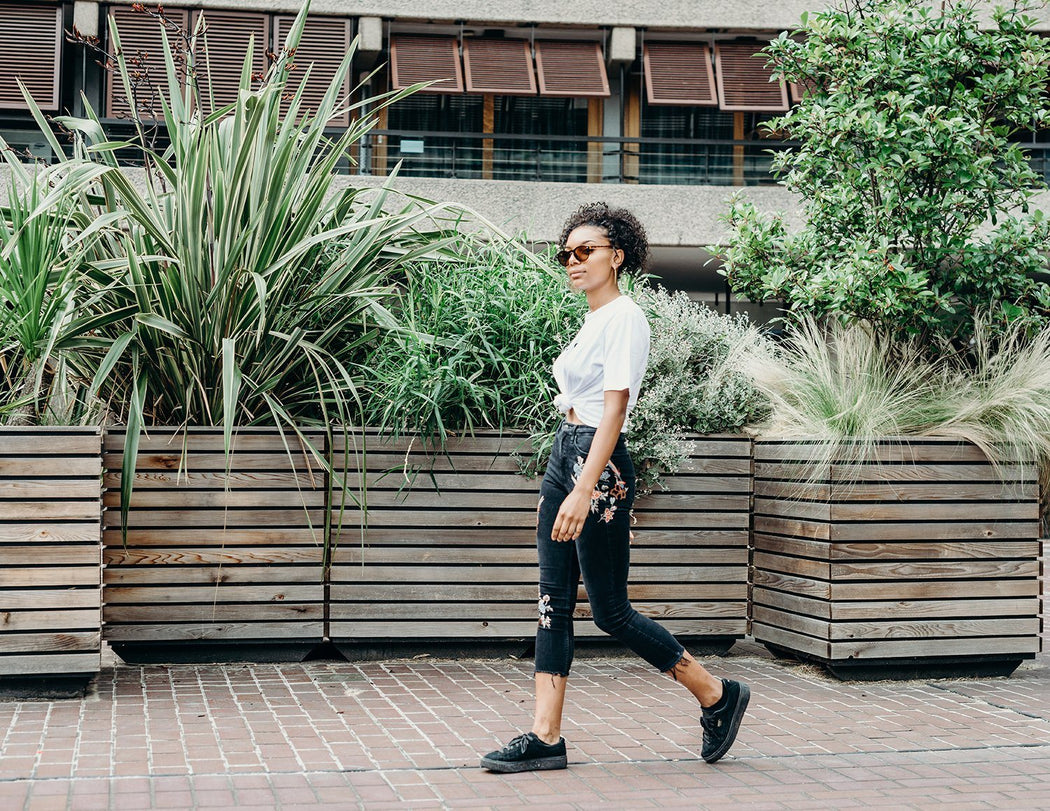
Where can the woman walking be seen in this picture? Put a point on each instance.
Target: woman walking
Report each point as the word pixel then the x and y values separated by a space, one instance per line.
pixel 586 496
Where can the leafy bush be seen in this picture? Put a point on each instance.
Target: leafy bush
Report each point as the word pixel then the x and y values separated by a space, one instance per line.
pixel 692 382
pixel 914 195
pixel 478 334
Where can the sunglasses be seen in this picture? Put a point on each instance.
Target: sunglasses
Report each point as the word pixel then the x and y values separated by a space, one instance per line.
pixel 581 252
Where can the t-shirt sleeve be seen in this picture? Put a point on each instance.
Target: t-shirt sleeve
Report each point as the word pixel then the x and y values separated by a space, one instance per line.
pixel 625 348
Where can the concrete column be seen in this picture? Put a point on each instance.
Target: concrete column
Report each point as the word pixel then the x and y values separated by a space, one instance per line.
pixel 370 41
pixel 619 55
pixel 85 73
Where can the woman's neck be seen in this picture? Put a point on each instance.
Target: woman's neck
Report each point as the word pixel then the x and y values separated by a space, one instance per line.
pixel 599 298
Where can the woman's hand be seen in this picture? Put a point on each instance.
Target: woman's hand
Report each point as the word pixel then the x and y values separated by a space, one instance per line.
pixel 571 516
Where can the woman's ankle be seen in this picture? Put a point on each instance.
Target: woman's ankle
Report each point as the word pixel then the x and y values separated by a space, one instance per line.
pixel 548 736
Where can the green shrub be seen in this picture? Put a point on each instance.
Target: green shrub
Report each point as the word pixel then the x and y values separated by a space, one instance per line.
pixel 914 193
pixel 692 383
pixel 479 332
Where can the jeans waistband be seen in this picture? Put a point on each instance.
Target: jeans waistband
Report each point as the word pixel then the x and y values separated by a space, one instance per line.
pixel 572 429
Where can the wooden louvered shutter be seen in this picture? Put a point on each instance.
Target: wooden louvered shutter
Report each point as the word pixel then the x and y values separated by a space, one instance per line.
pixel 744 80
pixel 323 45
pixel 502 66
pixel 140 36
pixel 679 73
pixel 571 69
pixel 30 50
pixel 425 59
pixel 228 34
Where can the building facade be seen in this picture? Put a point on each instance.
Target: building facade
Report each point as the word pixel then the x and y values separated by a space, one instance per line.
pixel 534 106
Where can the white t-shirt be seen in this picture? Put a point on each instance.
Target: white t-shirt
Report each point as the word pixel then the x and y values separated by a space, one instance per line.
pixel 609 353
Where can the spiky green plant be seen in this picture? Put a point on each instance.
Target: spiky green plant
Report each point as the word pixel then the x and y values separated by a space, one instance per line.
pixel 241 282
pixel 44 239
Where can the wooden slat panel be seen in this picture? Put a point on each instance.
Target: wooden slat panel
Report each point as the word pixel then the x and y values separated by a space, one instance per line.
pixel 227 35
pixel 49 620
pixel 50 664
pixel 426 59
pixel 141 39
pixel 51 599
pixel 50 555
pixel 798 623
pixel 253 611
pixel 570 68
pixel 855 492
pixel 321 49
pixel 502 66
pixel 935 531
pixel 886 474
pixel 89 641
pixel 220 499
pixel 679 73
pixel 521 592
pixel 50 550
pixel 50 577
pixel 206 631
pixel 376 555
pixel 743 80
pixel 908 570
pixel 207 562
pixel 50 466
pixel 898 629
pixel 906 550
pixel 523 574
pixel 524 629
pixel 795 603
pixel 916 609
pixel 933 589
pixel 251 591
pixel 167 575
pixel 30 50
pixel 888 649
pixel 791 640
pixel 230 556
pixel 230 536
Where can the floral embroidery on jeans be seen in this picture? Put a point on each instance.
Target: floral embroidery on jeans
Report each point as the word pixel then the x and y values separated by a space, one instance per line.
pixel 544 607
pixel 610 489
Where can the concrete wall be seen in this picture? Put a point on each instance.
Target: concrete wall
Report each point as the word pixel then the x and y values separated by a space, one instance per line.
pixel 681 14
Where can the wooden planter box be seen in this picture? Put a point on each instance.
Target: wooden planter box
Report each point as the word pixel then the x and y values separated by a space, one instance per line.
pixel 926 559
pixel 450 555
pixel 50 555
pixel 216 566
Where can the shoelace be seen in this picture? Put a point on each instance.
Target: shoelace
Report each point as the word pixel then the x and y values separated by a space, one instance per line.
pixel 517 746
pixel 710 721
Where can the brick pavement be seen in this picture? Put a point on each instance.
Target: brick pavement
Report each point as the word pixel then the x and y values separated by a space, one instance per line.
pixel 407 733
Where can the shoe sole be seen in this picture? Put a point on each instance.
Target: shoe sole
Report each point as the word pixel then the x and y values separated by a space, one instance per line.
pixel 734 724
pixel 532 765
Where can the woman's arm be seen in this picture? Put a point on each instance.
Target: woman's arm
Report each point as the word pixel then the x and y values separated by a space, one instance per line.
pixel 577 505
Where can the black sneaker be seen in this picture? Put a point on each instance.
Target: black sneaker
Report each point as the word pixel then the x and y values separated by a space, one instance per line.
pixel 720 726
pixel 526 753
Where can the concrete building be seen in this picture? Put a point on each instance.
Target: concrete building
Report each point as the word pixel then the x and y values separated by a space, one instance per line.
pixel 538 105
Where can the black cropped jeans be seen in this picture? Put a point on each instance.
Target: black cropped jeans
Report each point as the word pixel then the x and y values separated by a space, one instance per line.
pixel 601 554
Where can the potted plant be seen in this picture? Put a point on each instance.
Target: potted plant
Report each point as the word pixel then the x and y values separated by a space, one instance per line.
pixel 462 401
pixel 235 287
pixel 50 445
pixel 879 545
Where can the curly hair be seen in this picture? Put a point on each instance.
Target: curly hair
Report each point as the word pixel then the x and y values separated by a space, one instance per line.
pixel 622 228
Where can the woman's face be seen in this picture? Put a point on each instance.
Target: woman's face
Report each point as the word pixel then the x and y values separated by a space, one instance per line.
pixel 597 270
